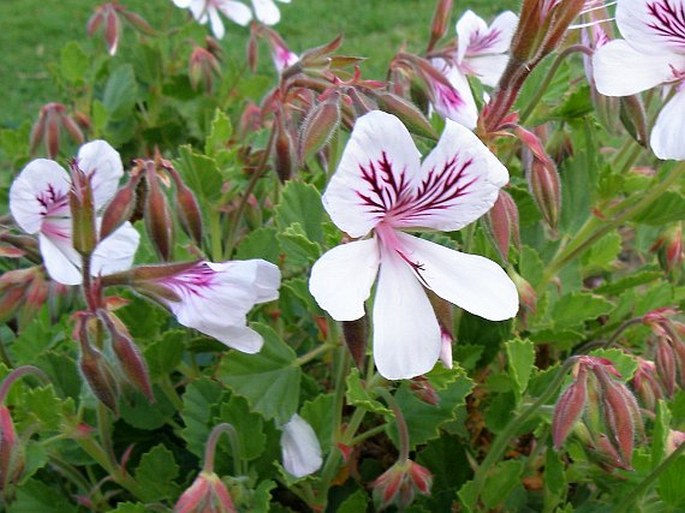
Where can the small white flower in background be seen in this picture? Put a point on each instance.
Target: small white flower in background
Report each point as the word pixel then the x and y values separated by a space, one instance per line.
pixel 208 10
pixel 39 202
pixel 381 186
pixel 652 53
pixel 300 447
pixel 266 11
pixel 214 298
pixel 482 52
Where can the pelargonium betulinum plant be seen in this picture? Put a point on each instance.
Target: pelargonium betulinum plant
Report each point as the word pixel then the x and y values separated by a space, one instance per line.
pixel 448 279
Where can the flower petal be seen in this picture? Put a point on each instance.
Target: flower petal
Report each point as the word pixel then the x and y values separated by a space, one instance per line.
pixel 266 11
pixel 620 70
pixel 471 28
pixel 104 162
pixel 488 68
pixel 455 103
pixel 300 447
pixel 476 38
pixel 406 334
pixel 341 279
pixel 379 164
pixel 460 181
pixel 653 26
pixel 183 4
pixel 61 260
pixel 116 252
pixel 41 190
pixel 215 22
pixel 235 11
pixel 667 135
pixel 472 282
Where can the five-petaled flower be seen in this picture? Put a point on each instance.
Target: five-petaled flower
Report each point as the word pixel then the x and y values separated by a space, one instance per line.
pixel 214 298
pixel 39 202
pixel 300 447
pixel 381 186
pixel 482 52
pixel 652 54
pixel 208 10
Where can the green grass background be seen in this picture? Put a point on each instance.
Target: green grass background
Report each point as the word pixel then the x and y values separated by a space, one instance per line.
pixel 32 33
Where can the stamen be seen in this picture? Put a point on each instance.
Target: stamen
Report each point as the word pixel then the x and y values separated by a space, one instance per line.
pixel 590 23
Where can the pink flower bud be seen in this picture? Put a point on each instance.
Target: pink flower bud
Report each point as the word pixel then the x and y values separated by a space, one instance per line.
pixel 666 364
pixel 158 216
pixel 189 213
pixel 12 458
pixel 284 151
pixel 399 484
pixel 319 58
pixel 669 248
pixel 673 441
pixel 544 185
pixel 569 408
pixel 112 29
pixel 409 114
pixel 646 384
pixel 207 494
pixel 319 126
pixel 503 221
pixel 424 391
pixel 47 129
pixel 441 19
pixel 203 67
pixel 120 208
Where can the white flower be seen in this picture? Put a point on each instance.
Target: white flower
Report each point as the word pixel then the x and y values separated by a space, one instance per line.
pixel 300 447
pixel 652 54
pixel 208 10
pixel 482 52
pixel 214 298
pixel 39 202
pixel 381 186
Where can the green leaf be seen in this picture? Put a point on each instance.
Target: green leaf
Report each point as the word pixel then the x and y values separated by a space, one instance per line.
pixel 143 319
pixel 358 396
pixel 73 62
pixel 425 420
pixel 219 133
pixel 298 249
pixel 200 174
pixel 249 425
pixel 164 355
pixel 200 405
pixel 629 282
pixel 156 473
pixel 301 203
pixel 130 507
pixel 121 93
pixel 603 253
pixel 669 208
pixel 319 414
pixel 501 481
pixel 35 496
pixel 260 243
pixel 137 411
pixel 573 309
pixel 662 426
pixel 671 489
pixel 555 480
pixel 261 498
pixel 355 503
pixel 521 358
pixel 63 372
pixel 45 408
pixel 269 380
pixel 625 364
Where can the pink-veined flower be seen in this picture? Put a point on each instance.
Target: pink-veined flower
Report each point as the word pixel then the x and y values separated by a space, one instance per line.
pixel 482 52
pixel 382 187
pixel 208 10
pixel 214 298
pixel 39 202
pixel 300 447
pixel 652 53
pixel 266 11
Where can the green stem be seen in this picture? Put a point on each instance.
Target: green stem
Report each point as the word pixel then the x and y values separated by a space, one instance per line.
pixel 629 502
pixel 502 441
pixel 210 448
pixel 402 428
pixel 18 373
pixel 593 229
pixel 215 235
pixel 170 392
pixel 369 433
pixel 314 353
pixel 540 91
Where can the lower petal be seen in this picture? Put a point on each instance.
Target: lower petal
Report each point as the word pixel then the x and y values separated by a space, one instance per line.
pixel 61 260
pixel 472 282
pixel 216 23
pixel 235 11
pixel 116 252
pixel 667 139
pixel 406 335
pixel 266 11
pixel 341 279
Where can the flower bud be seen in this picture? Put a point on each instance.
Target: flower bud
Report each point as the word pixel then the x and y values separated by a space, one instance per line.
pixel 51 121
pixel 319 126
pixel 673 441
pixel 319 58
pixel 527 295
pixel 666 365
pixel 441 19
pixel 12 457
pixel 423 389
pixel 189 213
pixel 399 484
pixel 284 151
pixel 569 408
pixel 82 207
pixel 669 248
pixel 411 116
pixel 545 186
pixel 503 221
pixel 128 355
pixel 94 367
pixel 203 67
pixel 646 384
pixel 634 118
pixel 158 216
pixel 300 448
pixel 35 295
pixel 207 494
pixel 356 336
pixel 120 209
